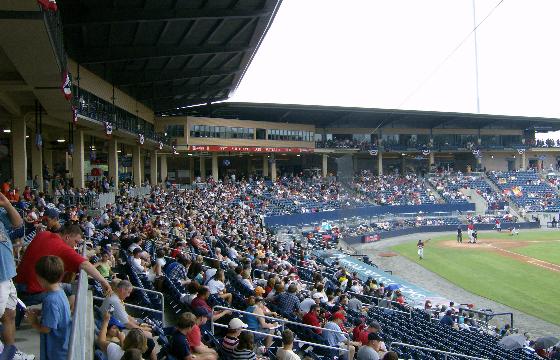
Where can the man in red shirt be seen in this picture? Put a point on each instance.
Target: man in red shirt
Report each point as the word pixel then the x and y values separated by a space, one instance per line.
pixel 372 327
pixel 194 337
pixel 200 302
pixel 312 318
pixel 61 245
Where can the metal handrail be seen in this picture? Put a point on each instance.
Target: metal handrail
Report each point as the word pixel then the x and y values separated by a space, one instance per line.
pixel 160 294
pixel 284 321
pixel 303 342
pixel 73 351
pixel 276 274
pixel 445 353
pixel 134 306
pixel 278 319
pixel 381 307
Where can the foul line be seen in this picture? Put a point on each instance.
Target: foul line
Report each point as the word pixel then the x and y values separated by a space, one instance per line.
pixel 531 260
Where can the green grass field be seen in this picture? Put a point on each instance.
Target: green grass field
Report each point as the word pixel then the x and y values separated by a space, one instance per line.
pixel 518 284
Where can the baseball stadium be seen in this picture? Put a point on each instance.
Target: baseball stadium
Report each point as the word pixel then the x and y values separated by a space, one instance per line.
pixel 148 213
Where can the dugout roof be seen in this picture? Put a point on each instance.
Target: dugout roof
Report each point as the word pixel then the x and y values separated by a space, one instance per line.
pixel 167 53
pixel 335 116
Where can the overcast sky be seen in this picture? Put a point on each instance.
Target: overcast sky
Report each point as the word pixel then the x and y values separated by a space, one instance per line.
pixel 379 53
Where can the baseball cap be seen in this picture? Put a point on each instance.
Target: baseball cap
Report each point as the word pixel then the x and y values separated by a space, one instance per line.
pixel 259 291
pixel 317 296
pixel 339 315
pixel 115 322
pixel 375 325
pixel 374 336
pixel 51 213
pixel 235 324
pixel 201 312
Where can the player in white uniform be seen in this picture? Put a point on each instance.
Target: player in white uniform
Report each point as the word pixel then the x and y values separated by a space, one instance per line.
pixel 420 246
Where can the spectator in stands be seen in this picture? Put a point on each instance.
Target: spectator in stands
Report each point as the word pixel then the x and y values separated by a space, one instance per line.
pixel 104 265
pixel 335 338
pixel 286 352
pixel 179 346
pixel 391 355
pixel 137 262
pixel 123 289
pixel 201 301
pixel 135 339
pixel 61 245
pixel 51 220
pixel 230 341
pixel 217 286
pixel 257 322
pixel 447 319
pixel 194 336
pixel 192 292
pixel 306 304
pixel 245 349
pixel 132 354
pixel 288 302
pixel 56 320
pixel 11 228
pixel 312 318
pixel 370 351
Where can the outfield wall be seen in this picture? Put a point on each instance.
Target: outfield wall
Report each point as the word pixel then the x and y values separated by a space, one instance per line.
pixel 374 237
pixel 310 218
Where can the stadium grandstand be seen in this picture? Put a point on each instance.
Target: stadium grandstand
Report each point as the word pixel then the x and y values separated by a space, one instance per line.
pixel 144 218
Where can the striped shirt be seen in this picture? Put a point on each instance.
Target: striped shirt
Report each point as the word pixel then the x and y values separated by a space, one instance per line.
pixel 228 344
pixel 245 354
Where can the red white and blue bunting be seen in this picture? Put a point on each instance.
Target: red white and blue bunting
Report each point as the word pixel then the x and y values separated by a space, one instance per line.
pixel 66 85
pixel 426 152
pixel 373 152
pixel 477 153
pixel 141 139
pixel 74 115
pixel 174 148
pixel 48 5
pixel 108 128
pixel 521 151
pixel 160 145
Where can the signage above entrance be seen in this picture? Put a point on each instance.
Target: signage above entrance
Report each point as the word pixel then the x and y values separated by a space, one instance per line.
pixel 252 149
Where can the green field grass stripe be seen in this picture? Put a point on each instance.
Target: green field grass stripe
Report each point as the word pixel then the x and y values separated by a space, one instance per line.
pixel 522 286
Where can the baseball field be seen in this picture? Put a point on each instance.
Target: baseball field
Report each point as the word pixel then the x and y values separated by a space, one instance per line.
pixel 520 271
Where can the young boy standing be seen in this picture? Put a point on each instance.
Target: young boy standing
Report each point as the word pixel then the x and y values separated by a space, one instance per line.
pixel 56 321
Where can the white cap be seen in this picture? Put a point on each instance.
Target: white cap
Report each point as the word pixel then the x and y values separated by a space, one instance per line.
pixel 317 296
pixel 236 324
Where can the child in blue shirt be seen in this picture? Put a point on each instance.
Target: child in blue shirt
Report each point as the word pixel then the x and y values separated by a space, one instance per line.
pixel 56 322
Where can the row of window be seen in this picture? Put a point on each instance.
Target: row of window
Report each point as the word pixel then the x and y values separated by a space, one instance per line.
pixel 290 135
pixel 177 131
pixel 222 132
pixel 226 132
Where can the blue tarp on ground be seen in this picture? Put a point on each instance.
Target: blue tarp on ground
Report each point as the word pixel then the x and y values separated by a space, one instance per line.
pixel 299 219
pixel 414 295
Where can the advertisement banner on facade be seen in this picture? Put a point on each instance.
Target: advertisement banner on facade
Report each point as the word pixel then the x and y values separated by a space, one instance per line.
pixel 251 149
pixel 371 238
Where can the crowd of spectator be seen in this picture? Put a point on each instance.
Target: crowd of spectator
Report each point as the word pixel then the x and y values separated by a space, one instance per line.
pixel 362 145
pixel 203 246
pixel 393 189
pixel 216 251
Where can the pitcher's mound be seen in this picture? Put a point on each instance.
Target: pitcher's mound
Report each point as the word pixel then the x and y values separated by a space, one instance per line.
pixel 387 254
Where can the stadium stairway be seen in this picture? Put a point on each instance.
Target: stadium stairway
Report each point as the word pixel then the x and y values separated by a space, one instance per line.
pixel 437 195
pixel 480 204
pixel 513 208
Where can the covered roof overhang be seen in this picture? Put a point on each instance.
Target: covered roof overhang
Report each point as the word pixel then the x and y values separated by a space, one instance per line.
pixel 167 54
